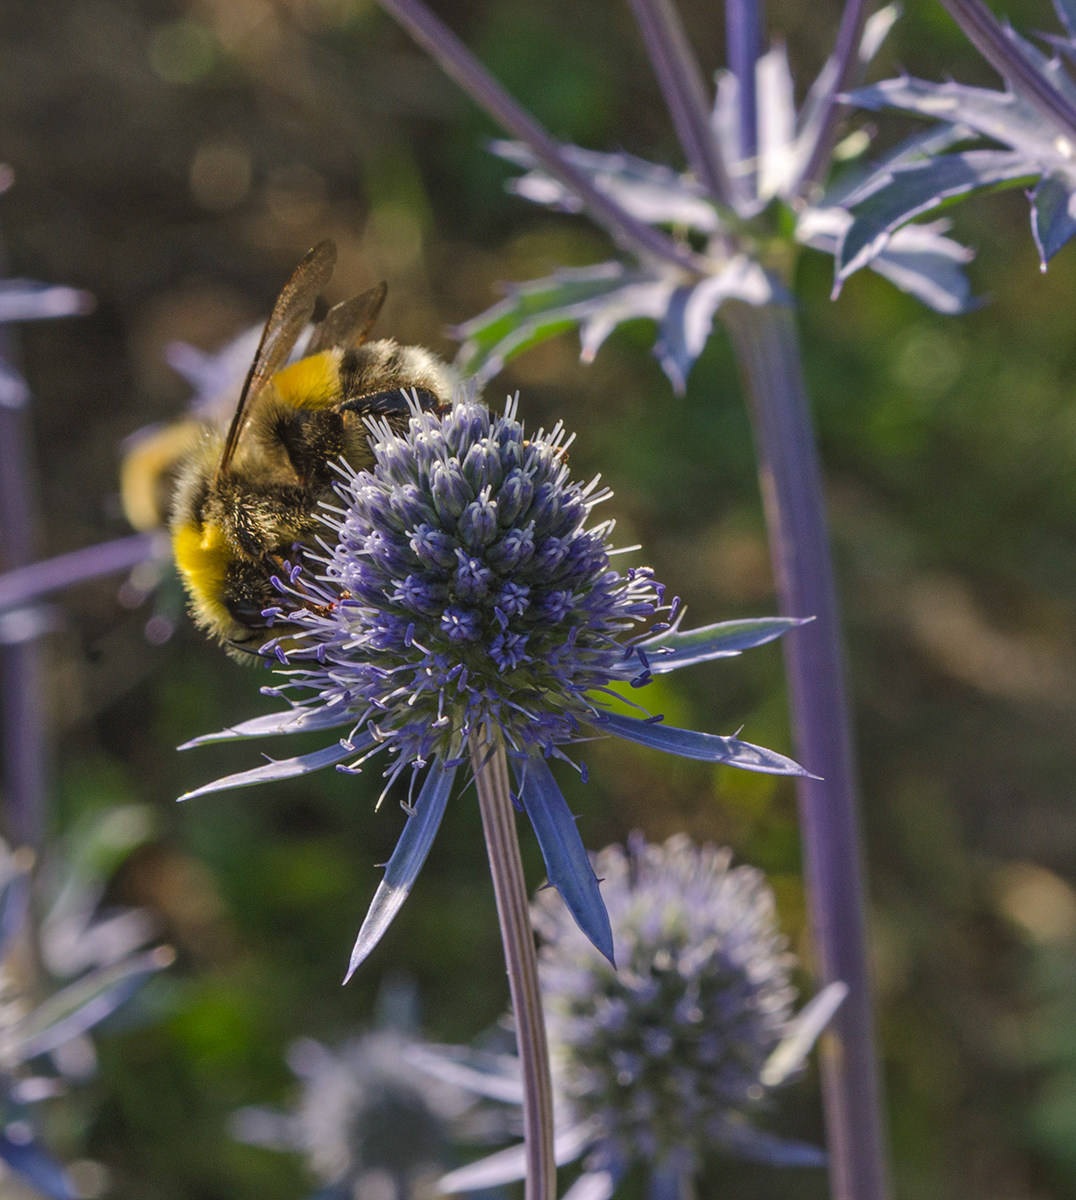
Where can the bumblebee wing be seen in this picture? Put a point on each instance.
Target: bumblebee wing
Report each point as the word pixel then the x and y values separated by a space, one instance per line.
pixel 348 323
pixel 293 309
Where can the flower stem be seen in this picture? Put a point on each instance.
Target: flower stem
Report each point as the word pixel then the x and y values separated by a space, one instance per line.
pixel 743 36
pixel 987 34
pixel 434 36
pixel 502 844
pixel 22 732
pixel 844 64
pixel 684 88
pixel 768 353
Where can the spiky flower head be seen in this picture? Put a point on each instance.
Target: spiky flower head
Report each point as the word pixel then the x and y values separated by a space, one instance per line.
pixel 362 1111
pixel 460 596
pixel 666 1056
pixel 666 1061
pixel 464 590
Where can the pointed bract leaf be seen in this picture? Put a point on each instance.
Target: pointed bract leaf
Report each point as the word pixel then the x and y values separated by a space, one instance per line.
pixel 34 1164
pixel 917 189
pixel 566 861
pixel 406 861
pixel 1066 14
pixel 648 191
pixel 928 267
pixel 689 318
pixel 506 1166
pixel 542 308
pixel 775 94
pixel 707 747
pixel 1053 223
pixel 1004 116
pixel 25 300
pixel 918 259
pixel 685 647
pixel 802 1033
pixel 292 720
pixel 875 31
pixel 594 1185
pixel 286 768
pixel 79 1006
pixel 494 1075
pixel 756 1145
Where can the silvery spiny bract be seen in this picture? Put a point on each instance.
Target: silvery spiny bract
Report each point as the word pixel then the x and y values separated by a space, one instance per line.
pixel 663 1062
pixel 459 593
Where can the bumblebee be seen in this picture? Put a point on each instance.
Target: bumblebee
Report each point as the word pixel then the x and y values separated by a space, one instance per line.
pixel 244 498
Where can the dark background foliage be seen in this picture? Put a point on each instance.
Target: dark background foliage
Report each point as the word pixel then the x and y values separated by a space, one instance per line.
pixel 176 160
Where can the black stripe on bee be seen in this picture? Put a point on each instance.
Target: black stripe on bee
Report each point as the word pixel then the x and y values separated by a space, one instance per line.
pixel 396 400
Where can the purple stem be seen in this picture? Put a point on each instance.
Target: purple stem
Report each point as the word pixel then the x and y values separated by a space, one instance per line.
pixel 988 36
pixel 847 66
pixel 521 960
pixel 21 666
pixel 682 84
pixel 434 36
pixel 743 37
pixel 26 584
pixel 768 354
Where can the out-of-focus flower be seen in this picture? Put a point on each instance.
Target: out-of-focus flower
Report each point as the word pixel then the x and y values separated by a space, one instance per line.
pixel 745 257
pixel 368 1122
pixel 152 455
pixel 43 1042
pixel 664 1062
pixel 1034 119
pixel 461 595
pixel 27 300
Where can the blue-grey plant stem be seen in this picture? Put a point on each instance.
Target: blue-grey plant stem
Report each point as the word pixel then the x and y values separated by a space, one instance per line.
pixel 743 38
pixel 847 66
pixel 434 36
pixel 684 89
pixel 988 36
pixel 513 911
pixel 767 350
pixel 21 659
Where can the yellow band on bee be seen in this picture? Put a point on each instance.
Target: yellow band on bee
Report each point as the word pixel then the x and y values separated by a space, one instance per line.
pixel 312 382
pixel 202 557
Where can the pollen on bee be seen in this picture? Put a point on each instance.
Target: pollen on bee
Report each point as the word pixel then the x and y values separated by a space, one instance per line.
pixel 312 382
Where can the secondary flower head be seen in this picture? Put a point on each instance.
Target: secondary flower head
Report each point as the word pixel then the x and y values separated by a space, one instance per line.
pixel 363 1112
pixel 667 1054
pixel 461 594
pixel 44 1045
pixel 663 1062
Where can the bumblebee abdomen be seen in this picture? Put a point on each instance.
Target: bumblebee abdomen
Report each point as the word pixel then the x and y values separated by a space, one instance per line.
pixel 202 557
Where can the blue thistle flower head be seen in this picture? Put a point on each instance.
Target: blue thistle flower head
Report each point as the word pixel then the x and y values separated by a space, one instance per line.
pixel 363 1112
pixel 461 591
pixel 666 1055
pixel 665 1062
pixel 464 590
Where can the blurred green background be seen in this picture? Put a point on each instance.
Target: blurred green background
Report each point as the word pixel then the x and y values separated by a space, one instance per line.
pixel 176 160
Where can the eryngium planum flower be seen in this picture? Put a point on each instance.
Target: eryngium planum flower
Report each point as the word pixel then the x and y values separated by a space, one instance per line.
pixel 460 595
pixel 365 1117
pixel 667 1054
pixel 662 1063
